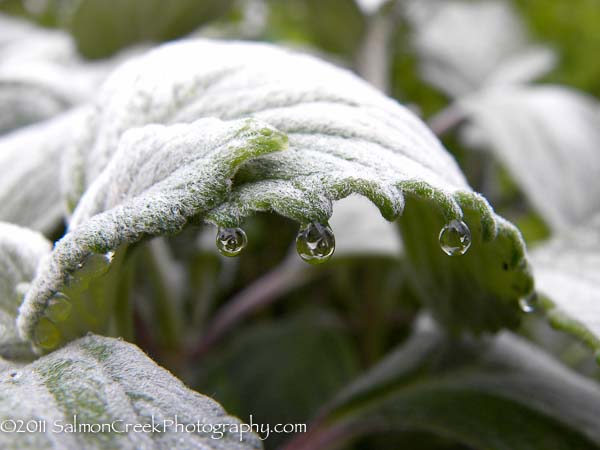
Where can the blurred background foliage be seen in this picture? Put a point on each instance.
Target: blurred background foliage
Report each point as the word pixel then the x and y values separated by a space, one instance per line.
pixel 287 359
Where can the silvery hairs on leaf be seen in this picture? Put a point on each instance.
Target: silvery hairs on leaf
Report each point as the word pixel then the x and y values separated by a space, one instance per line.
pixel 344 137
pixel 21 250
pixel 463 45
pixel 160 177
pixel 567 272
pixel 30 192
pixel 549 139
pixel 107 381
pixel 41 73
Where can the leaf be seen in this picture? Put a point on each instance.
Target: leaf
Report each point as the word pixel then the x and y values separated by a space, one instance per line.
pixel 182 171
pixel 20 252
pixel 98 380
pixel 30 161
pixel 361 231
pixel 41 74
pixel 548 137
pixel 335 27
pixel 344 137
pixel 102 27
pixel 567 272
pixel 505 395
pixel 464 46
pixel 312 346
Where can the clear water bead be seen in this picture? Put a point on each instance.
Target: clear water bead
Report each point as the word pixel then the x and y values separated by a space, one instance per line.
pixel 315 243
pixel 59 307
pixel 231 241
pixel 529 304
pixel 455 238
pixel 46 334
pixel 92 266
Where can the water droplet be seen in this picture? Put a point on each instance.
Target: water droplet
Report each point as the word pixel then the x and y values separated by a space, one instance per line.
pixel 46 334
pixel 455 238
pixel 231 241
pixel 315 243
pixel 108 256
pixel 92 266
pixel 529 304
pixel 59 307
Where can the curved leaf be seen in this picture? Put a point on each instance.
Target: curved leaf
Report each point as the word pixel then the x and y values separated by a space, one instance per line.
pixel 567 272
pixel 548 137
pixel 41 74
pixel 475 395
pixel 160 178
pixel 98 380
pixel 464 45
pixel 30 191
pixel 20 252
pixel 344 137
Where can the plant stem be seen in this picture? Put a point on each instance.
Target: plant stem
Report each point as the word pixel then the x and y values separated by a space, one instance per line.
pixel 262 292
pixel 373 58
pixel 446 119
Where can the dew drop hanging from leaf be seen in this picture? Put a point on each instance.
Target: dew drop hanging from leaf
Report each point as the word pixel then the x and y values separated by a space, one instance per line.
pixel 46 334
pixel 315 243
pixel 59 307
pixel 455 238
pixel 529 304
pixel 231 241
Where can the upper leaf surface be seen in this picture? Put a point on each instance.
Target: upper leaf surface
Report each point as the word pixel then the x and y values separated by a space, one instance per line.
pixel 30 190
pixel 567 271
pixel 106 381
pixel 20 252
pixel 497 386
pixel 41 73
pixel 548 137
pixel 464 46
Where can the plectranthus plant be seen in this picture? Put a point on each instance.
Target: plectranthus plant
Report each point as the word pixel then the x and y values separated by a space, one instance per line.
pixel 291 232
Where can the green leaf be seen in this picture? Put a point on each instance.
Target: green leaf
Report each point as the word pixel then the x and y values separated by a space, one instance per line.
pixel 21 250
pixel 101 27
pixel 567 272
pixel 505 395
pixel 344 137
pixel 333 26
pixel 98 380
pixel 314 347
pixel 548 138
pixel 477 290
